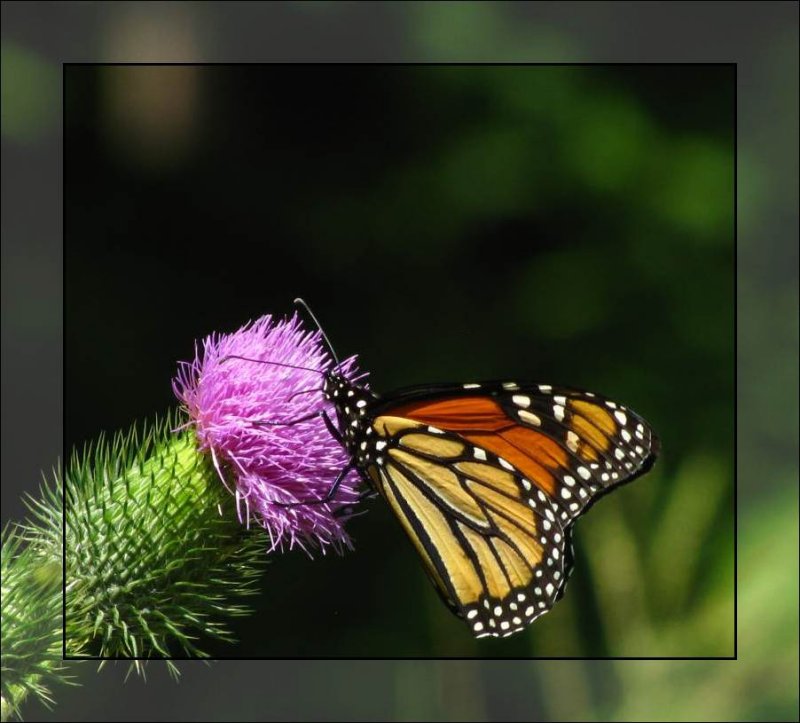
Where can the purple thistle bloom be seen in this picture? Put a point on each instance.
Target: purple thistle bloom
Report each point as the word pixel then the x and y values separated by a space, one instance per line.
pixel 227 399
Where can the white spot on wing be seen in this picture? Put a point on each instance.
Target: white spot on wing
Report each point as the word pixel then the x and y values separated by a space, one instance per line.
pixel 572 441
pixel 530 418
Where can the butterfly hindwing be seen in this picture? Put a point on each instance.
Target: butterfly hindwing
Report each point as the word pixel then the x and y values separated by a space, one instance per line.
pixel 490 540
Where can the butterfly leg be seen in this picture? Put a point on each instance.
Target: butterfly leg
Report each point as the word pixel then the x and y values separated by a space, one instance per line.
pixel 335 433
pixel 328 496
pixel 328 423
pixel 290 423
pixel 367 494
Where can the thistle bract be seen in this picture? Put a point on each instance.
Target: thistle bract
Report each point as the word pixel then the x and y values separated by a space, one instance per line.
pixel 31 605
pixel 261 424
pixel 155 563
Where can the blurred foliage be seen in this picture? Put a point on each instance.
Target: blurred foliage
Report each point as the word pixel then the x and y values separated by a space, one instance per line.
pixel 30 88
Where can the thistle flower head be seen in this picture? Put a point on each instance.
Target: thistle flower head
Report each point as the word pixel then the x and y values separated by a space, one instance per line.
pixel 262 426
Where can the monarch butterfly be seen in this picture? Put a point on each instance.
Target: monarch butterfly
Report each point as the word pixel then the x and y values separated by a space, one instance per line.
pixel 487 479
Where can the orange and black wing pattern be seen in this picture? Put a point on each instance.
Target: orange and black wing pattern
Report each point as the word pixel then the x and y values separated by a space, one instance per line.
pixel 487 480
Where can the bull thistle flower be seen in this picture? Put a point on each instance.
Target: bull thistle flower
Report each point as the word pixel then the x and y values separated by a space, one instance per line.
pixel 157 557
pixel 260 423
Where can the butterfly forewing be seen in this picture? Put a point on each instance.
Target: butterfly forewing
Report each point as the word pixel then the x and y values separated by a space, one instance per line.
pixel 573 445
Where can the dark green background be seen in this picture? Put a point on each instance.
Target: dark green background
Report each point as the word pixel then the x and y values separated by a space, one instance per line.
pixel 570 225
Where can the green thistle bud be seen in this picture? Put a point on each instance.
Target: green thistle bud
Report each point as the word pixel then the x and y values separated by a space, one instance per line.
pixel 31 605
pixel 155 555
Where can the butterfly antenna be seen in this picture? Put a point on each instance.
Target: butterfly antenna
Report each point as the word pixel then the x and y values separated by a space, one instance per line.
pixel 267 361
pixel 302 303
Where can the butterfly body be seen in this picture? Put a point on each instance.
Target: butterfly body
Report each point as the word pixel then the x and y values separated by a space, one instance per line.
pixel 487 480
pixel 351 402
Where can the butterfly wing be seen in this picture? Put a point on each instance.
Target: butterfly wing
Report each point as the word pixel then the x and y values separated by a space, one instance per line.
pixel 488 479
pixel 494 551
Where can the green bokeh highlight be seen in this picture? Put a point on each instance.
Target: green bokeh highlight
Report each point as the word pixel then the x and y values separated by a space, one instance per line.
pixel 30 90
